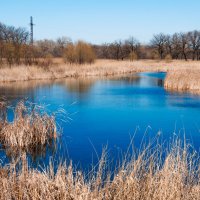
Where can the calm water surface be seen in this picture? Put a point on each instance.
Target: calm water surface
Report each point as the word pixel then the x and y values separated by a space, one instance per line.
pixel 107 112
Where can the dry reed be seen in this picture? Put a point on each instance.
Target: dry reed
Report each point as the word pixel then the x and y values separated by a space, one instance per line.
pixel 30 129
pixel 102 68
pixel 146 176
pixel 99 68
pixel 184 80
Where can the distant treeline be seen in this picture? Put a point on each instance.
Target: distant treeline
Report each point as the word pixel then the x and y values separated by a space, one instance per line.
pixel 162 46
pixel 15 48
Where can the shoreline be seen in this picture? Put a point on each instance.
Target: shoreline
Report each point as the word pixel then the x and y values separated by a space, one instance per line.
pixel 176 79
pixel 183 81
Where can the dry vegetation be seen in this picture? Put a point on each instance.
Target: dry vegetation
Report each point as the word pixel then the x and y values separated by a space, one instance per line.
pixel 181 75
pixel 144 177
pixel 29 131
pixel 158 172
pixel 99 68
pixel 79 53
pixel 183 80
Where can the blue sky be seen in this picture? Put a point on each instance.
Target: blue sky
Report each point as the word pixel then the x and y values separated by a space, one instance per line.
pixel 99 21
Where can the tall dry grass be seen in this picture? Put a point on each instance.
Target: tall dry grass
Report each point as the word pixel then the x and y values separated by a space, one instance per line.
pixel 99 68
pixel 183 80
pixel 181 75
pixel 145 177
pixel 29 131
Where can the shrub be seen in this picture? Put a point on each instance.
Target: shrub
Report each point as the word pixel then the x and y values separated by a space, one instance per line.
pixel 168 58
pixel 80 53
pixel 69 54
pixel 155 55
pixel 133 56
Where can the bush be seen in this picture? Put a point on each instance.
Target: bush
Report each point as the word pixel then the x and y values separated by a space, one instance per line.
pixel 133 56
pixel 155 55
pixel 168 58
pixel 69 54
pixel 80 53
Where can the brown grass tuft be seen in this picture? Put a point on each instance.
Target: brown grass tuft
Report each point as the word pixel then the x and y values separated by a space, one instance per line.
pixel 183 80
pixel 29 130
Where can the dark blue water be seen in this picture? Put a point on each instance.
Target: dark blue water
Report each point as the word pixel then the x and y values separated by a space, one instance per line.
pixel 108 112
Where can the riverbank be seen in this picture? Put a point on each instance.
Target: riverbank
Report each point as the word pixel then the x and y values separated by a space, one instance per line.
pixel 183 80
pixel 146 176
pixel 176 70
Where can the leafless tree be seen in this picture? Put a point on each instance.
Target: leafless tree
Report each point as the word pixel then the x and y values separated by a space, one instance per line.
pixel 168 45
pixel 159 42
pixel 176 46
pixel 194 43
pixel 184 44
pixel 12 41
pixel 133 44
pixel 61 44
pixel 116 50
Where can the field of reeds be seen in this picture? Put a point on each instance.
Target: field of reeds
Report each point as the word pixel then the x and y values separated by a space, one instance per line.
pixel 181 75
pixel 183 80
pixel 59 69
pixel 145 176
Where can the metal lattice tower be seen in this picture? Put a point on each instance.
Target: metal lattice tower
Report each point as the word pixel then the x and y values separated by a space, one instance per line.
pixel 31 27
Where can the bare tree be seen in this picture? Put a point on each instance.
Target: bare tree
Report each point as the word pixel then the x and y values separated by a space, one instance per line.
pixel 176 46
pixel 116 50
pixel 132 46
pixel 105 51
pixel 159 42
pixel 168 45
pixel 11 41
pixel 194 43
pixel 61 44
pixel 184 44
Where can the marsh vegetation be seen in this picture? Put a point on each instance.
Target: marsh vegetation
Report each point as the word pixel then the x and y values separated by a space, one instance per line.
pixel 156 171
pixel 144 175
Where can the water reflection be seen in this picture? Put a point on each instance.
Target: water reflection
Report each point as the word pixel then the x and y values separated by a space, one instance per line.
pixel 79 85
pixel 35 153
pixel 13 90
pixel 18 90
pixel 160 82
pixel 108 109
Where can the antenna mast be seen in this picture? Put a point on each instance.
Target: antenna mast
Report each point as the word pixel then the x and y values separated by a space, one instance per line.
pixel 31 27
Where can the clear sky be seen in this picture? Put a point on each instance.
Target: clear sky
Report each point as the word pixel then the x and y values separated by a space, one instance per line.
pixel 99 21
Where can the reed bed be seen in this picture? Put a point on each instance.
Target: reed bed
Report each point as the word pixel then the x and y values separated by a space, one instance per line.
pixel 145 176
pixel 184 80
pixel 178 71
pixel 30 129
pixel 99 68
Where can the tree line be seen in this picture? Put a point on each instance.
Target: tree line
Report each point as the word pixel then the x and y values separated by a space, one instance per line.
pixel 178 45
pixel 15 48
pixel 13 44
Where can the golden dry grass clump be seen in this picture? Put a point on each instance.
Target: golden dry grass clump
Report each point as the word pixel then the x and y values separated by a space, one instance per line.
pixel 146 176
pixel 29 128
pixel 183 80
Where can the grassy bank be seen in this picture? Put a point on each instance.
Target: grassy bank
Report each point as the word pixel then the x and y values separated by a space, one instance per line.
pixel 177 71
pixel 144 177
pixel 183 80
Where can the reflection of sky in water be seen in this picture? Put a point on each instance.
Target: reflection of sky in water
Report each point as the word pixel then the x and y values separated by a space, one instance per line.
pixel 107 111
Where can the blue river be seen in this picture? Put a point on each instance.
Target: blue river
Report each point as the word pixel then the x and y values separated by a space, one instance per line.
pixel 108 112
